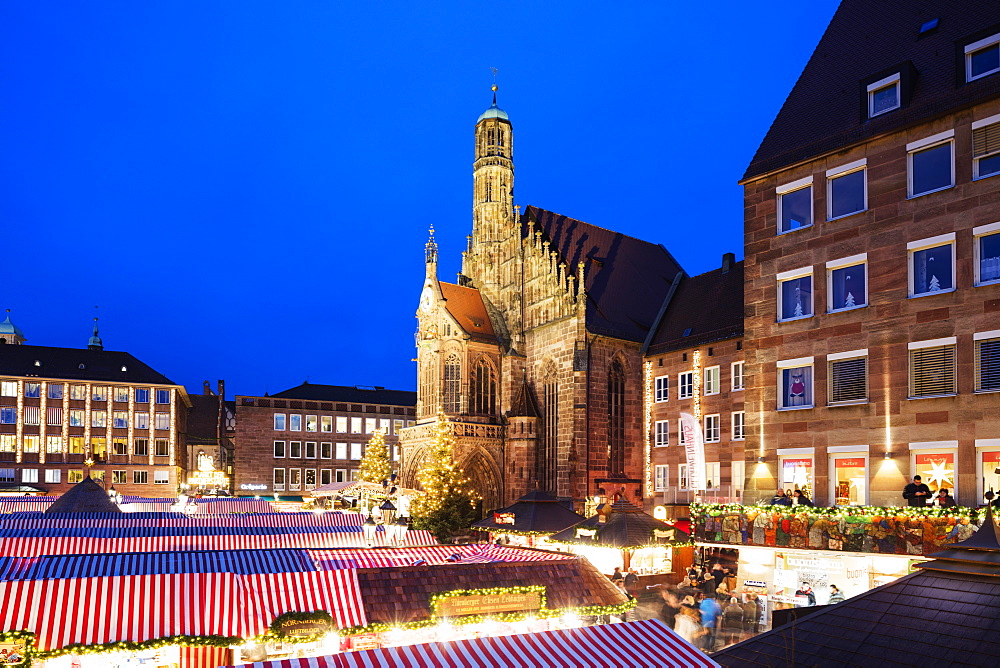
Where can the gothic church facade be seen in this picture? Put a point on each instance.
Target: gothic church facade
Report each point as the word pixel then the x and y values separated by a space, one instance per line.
pixel 535 354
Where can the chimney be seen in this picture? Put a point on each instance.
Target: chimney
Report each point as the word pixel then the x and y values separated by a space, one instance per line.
pixel 728 259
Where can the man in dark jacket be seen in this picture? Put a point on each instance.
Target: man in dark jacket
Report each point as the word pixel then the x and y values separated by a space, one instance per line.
pixel 780 499
pixel 916 493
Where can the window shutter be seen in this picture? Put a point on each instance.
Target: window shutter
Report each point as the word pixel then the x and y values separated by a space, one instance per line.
pixel 849 380
pixel 987 365
pixel 986 140
pixel 932 371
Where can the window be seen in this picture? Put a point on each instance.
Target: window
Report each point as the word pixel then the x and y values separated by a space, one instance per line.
pixel 850 479
pixel 279 449
pixel 341 451
pixel 74 476
pixel 326 424
pixel 340 475
pixel 662 433
pixel 32 415
pixel 932 265
pixel 8 388
pixel 712 380
pixel 452 384
pixel 294 480
pixel 987 252
pixel 141 420
pixel 883 95
pixel 140 477
pixel 326 450
pixel 795 295
pixel 121 394
pixel 163 396
pixel 119 420
pixel 325 476
pixel 8 442
pixel 341 424
pixel 310 450
pixel 8 415
pixel 311 423
pixel 846 190
pixel 278 480
pixel 6 475
pixel 795 207
pixel 54 416
pixel 98 446
pixel 76 418
pixel 98 393
pixel 987 361
pixel 310 482
pixel 140 447
pixel 661 479
pixel 395 453
pixel 76 445
pixel 738 469
pixel 161 477
pixel 930 164
pixel 32 390
pixel 119 446
pixel 385 426
pixel 99 419
pixel 279 422
pixel 161 447
pixel 795 383
pixel 685 385
pixel 982 58
pixel 370 425
pixel 661 388
pixel 736 370
pixel 55 391
pixel 355 425
pixel 847 283
pixel 29 475
pixel 163 420
pixel 295 423
pixel 295 449
pixel 53 476
pixel 847 377
pixel 396 426
pixel 355 451
pixel 712 429
pixel 713 475
pixel 616 420
pixel 53 444
pixel 682 476
pixel 986 147
pixel 680 432
pixel 484 388
pixel 739 426
pixel 119 477
pixel 932 368
pixel 31 444
pixel 142 395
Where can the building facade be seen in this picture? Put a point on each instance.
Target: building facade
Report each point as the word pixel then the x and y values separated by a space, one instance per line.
pixel 66 413
pixel 211 428
pixel 872 238
pixel 535 354
pixel 311 435
pixel 694 366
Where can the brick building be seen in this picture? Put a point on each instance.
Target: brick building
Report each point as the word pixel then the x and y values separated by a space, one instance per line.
pixel 67 412
pixel 694 365
pixel 535 355
pixel 211 427
pixel 872 238
pixel 312 435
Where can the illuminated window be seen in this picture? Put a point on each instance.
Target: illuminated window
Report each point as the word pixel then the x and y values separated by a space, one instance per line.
pixel 119 420
pixel 32 390
pixel 121 394
pixel 326 424
pixel 341 424
pixel 355 451
pixel 295 423
pixel 141 420
pixel 311 423
pixel 341 451
pixel 99 419
pixel 53 476
pixel 119 477
pixel 53 444
pixel 74 476
pixel 8 388
pixel 795 294
pixel 712 380
pixel 163 420
pixel 452 384
pixel 850 479
pixel 795 206
pixel 98 393
pixel 484 388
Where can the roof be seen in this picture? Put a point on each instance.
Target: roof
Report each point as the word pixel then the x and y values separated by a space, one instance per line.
pixel 705 308
pixel 535 512
pixel 85 496
pixel 77 364
pixel 466 306
pixel 626 278
pixel 947 614
pixel 493 112
pixel 524 404
pixel 8 327
pixel 203 419
pixel 358 394
pixel 626 527
pixel 867 41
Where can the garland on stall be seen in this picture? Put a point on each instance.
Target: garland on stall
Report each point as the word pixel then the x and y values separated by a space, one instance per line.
pixel 28 638
pixel 134 646
pixel 493 591
pixel 718 509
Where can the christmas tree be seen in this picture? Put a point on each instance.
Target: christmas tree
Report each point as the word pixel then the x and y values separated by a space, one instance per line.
pixel 375 465
pixel 447 504
pixel 935 283
pixel 850 300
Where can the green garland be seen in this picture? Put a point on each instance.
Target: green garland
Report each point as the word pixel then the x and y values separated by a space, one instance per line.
pixel 29 642
pixel 277 633
pixel 133 646
pixel 717 509
pixel 493 591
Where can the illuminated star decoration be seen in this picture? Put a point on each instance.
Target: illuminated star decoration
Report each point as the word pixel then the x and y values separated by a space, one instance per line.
pixel 939 475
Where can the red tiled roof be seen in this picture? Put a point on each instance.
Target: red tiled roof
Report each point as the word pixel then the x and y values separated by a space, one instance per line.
pixel 467 307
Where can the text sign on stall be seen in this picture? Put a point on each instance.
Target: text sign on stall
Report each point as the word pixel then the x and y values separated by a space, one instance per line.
pixel 299 625
pixel 485 604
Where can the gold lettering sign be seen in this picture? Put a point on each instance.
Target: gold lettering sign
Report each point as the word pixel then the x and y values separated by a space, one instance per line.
pixel 485 604
pixel 303 628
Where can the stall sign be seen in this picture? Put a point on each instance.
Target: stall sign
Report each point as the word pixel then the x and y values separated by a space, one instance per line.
pixel 503 518
pixel 209 479
pixel 298 626
pixel 485 604
pixel 365 641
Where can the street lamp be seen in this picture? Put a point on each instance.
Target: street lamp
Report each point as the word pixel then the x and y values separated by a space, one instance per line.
pixel 388 512
pixel 400 527
pixel 114 495
pixel 369 528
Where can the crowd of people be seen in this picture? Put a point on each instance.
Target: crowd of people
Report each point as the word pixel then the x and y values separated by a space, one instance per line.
pixel 917 494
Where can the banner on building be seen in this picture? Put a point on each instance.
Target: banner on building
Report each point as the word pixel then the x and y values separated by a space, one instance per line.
pixel 694 448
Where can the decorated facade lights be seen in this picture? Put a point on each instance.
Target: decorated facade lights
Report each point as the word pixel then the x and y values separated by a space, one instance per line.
pixel 647 427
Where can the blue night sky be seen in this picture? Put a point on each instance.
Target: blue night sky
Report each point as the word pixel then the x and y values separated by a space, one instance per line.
pixel 245 187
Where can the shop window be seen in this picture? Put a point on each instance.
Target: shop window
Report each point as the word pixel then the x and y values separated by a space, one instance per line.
pixel 989 461
pixel 987 361
pixel 850 480
pixel 936 469
pixel 797 473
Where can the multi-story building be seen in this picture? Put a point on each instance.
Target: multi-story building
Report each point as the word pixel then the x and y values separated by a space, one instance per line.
pixel 211 425
pixel 69 412
pixel 694 368
pixel 311 435
pixel 872 237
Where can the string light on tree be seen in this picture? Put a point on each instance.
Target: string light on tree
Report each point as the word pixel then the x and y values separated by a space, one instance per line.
pixel 376 466
pixel 448 502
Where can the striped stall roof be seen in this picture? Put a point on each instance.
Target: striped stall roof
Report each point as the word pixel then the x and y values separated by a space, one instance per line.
pixel 643 643
pixel 40 520
pixel 433 555
pixel 25 503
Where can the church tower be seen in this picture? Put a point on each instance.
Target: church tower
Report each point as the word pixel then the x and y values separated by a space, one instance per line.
pixel 10 333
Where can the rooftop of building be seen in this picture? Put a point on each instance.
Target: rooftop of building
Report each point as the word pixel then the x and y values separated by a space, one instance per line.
pixel 827 109
pixel 77 364
pixel 466 306
pixel 358 394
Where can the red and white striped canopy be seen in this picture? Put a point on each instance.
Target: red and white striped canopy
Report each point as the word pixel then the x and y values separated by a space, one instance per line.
pixel 649 643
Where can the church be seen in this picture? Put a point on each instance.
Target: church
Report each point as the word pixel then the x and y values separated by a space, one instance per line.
pixel 535 354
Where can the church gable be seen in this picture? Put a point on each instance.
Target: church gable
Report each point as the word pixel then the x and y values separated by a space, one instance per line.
pixel 466 306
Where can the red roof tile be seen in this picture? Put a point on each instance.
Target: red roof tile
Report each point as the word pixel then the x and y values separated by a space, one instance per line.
pixel 467 307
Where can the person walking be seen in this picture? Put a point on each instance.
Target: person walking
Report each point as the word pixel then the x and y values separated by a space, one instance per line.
pixel 632 584
pixel 916 493
pixel 710 612
pixel 836 596
pixel 751 615
pixel 732 622
pixel 687 624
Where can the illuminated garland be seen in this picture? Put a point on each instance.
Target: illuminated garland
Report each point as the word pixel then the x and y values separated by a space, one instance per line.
pixel 717 509
pixel 493 591
pixel 134 646
pixel 29 640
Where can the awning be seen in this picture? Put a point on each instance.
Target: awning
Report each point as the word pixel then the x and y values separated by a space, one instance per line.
pixel 644 643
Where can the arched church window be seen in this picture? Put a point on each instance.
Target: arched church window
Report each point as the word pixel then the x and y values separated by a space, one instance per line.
pixel 616 419
pixel 484 388
pixel 428 388
pixel 452 384
pixel 548 452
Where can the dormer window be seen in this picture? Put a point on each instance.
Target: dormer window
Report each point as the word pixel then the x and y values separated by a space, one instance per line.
pixel 38 363
pixel 883 95
pixel 982 58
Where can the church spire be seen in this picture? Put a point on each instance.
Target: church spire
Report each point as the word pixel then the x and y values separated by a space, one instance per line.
pixel 431 254
pixel 95 342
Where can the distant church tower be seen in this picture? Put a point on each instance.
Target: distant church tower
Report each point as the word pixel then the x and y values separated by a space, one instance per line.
pixel 11 333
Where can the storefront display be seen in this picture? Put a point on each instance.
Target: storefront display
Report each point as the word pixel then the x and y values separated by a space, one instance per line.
pixel 937 469
pixel 797 473
pixel 850 480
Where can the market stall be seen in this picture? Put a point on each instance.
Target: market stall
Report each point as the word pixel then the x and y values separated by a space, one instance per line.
pixel 529 521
